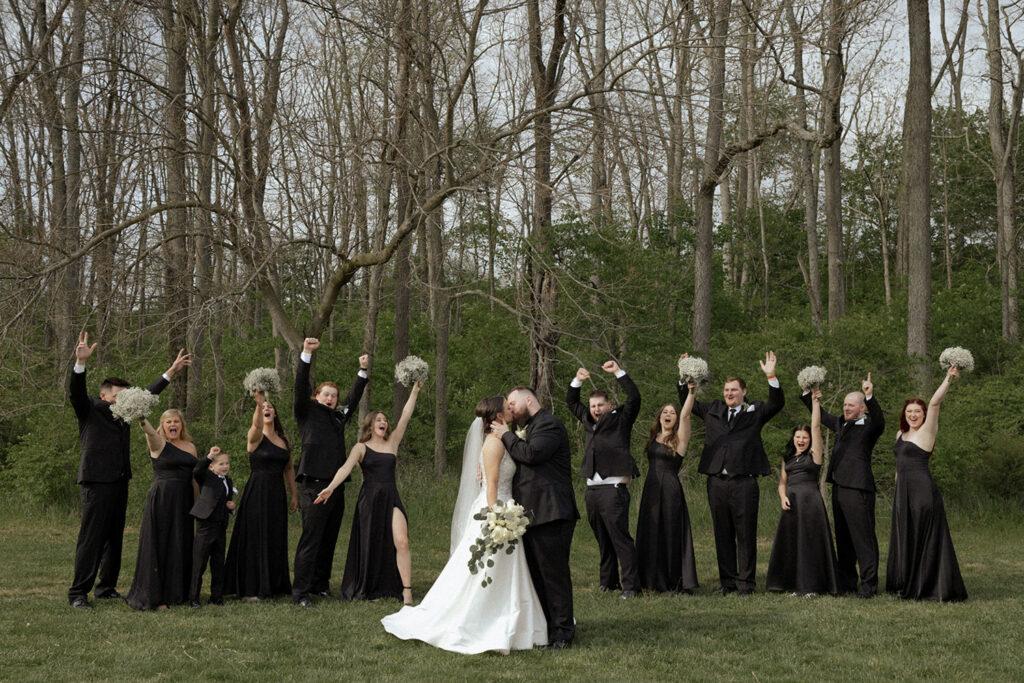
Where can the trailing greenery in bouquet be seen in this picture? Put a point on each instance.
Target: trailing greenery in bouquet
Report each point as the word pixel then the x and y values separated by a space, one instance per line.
pixel 503 525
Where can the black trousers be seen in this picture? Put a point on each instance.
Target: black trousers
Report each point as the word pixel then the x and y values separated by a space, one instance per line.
pixel 209 545
pixel 853 511
pixel 314 555
pixel 547 555
pixel 608 514
pixel 100 538
pixel 733 503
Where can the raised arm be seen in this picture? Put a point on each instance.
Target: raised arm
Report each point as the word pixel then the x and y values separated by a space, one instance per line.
pixel 494 451
pixel 76 383
pixel 255 433
pixel 874 409
pixel 300 396
pixel 202 467
pixel 396 436
pixel 817 443
pixel 546 440
pixel 154 442
pixel 828 420
pixel 354 456
pixel 572 396
pixel 163 381
pixel 683 428
pixel 925 437
pixel 632 406
pixel 776 398
pixel 355 393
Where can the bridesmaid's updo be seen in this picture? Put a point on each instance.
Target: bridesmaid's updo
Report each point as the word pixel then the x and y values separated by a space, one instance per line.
pixel 488 409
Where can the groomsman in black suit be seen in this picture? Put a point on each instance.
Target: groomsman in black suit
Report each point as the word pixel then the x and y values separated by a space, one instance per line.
pixel 103 474
pixel 543 484
pixel 211 512
pixel 321 422
pixel 733 458
pixel 853 487
pixel 608 468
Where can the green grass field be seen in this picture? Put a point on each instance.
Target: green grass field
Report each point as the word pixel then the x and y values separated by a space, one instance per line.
pixel 702 637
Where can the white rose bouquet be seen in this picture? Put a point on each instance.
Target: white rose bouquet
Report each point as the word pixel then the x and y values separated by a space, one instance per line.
pixel 133 403
pixel 810 377
pixel 693 369
pixel 957 356
pixel 503 525
pixel 411 369
pixel 263 380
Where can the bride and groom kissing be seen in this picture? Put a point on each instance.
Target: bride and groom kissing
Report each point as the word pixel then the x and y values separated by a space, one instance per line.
pixel 522 451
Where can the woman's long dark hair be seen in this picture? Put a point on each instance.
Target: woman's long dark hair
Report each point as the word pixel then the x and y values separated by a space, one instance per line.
pixel 488 409
pixel 366 431
pixel 791 447
pixel 673 438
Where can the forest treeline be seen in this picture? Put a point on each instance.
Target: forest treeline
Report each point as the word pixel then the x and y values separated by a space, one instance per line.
pixel 509 190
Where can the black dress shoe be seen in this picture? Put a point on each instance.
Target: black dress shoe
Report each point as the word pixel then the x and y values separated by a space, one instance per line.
pixel 219 602
pixel 80 602
pixel 305 603
pixel 745 592
pixel 111 595
pixel 194 604
pixel 560 645
pixel 725 590
pixel 626 595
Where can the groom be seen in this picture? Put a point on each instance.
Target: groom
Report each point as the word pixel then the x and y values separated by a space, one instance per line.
pixel 543 484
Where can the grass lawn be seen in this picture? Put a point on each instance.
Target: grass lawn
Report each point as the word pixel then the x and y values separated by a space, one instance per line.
pixel 656 637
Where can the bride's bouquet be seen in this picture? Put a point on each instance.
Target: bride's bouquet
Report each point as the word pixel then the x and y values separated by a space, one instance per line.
pixel 263 380
pixel 133 404
pixel 503 525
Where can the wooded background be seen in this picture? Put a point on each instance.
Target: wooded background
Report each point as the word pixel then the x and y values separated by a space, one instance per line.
pixel 509 190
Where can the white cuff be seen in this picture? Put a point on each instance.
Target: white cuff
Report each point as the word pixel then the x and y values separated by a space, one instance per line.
pixel 575 383
pixel 78 369
pixel 362 373
pixel 774 382
pixel 306 357
pixel 620 374
pixel 166 377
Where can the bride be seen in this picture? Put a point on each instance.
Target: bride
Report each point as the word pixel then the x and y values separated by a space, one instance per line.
pixel 458 613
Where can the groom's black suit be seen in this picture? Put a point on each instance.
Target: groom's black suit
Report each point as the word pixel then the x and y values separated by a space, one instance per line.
pixel 543 484
pixel 103 474
pixel 853 494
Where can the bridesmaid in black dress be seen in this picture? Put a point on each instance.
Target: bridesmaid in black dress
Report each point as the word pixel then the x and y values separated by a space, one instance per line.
pixel 803 559
pixel 257 562
pixel 379 564
pixel 664 543
pixel 922 563
pixel 163 565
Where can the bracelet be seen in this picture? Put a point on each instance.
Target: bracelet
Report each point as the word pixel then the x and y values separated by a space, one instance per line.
pixel 770 377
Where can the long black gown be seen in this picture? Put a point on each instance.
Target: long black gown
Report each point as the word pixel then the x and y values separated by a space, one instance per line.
pixel 371 571
pixel 163 565
pixel 922 563
pixel 664 542
pixel 803 558
pixel 257 562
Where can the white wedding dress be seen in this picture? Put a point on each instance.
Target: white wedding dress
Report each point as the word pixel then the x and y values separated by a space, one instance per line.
pixel 460 615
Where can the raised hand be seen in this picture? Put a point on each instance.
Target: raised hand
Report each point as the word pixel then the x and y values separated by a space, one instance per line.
pixel 416 386
pixel 499 428
pixel 83 350
pixel 582 375
pixel 611 366
pixel 259 397
pixel 310 344
pixel 953 371
pixel 816 394
pixel 214 452
pixel 364 362
pixel 768 365
pixel 867 387
pixel 181 361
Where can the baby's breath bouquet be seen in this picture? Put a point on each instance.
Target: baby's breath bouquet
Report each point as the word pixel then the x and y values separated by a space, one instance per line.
pixel 693 369
pixel 263 380
pixel 133 403
pixel 411 369
pixel 957 356
pixel 810 377
pixel 503 525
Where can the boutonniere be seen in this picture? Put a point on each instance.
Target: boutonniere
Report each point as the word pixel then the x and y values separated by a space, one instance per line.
pixel 521 433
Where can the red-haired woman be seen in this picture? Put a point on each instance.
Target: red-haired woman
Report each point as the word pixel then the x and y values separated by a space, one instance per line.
pixel 922 563
pixel 379 564
pixel 664 543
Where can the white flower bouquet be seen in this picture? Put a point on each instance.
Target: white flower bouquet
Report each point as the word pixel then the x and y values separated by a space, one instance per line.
pixel 133 403
pixel 693 369
pixel 503 525
pixel 810 377
pixel 411 369
pixel 957 356
pixel 263 380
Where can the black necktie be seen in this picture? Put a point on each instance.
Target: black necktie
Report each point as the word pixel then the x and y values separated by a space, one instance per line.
pixel 732 414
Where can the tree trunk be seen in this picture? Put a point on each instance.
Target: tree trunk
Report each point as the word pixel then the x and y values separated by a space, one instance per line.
pixel 834 77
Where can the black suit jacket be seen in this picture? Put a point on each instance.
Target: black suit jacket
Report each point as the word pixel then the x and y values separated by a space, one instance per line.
pixel 321 429
pixel 543 479
pixel 212 504
pixel 105 439
pixel 737 447
pixel 607 441
pixel 850 464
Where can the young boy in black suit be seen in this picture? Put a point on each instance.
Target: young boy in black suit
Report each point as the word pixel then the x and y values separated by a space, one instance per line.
pixel 211 512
